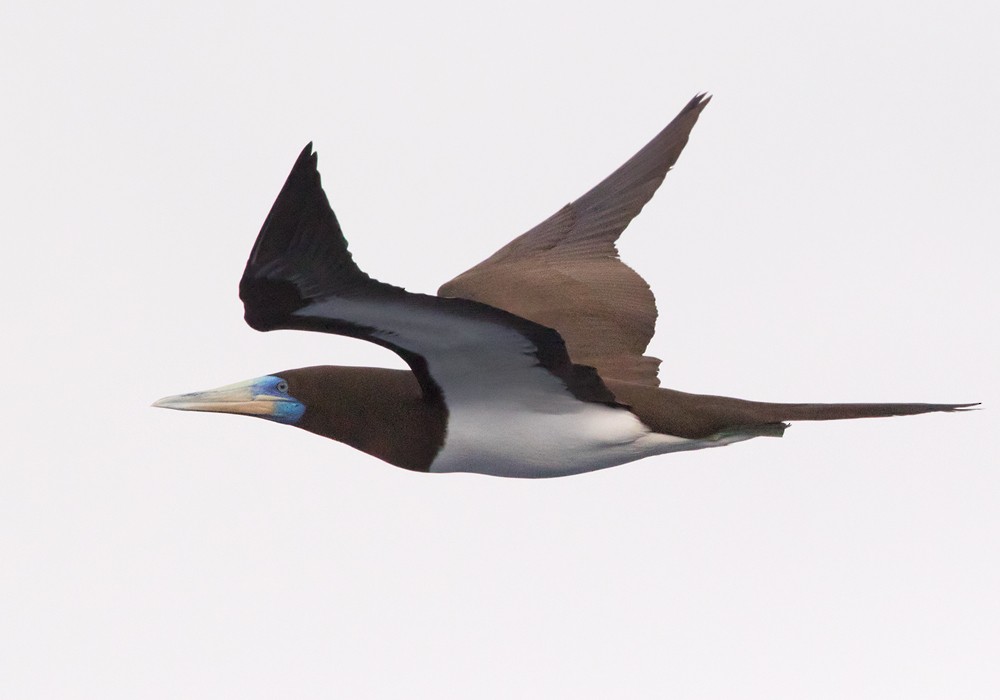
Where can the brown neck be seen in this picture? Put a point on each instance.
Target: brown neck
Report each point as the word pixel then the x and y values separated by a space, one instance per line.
pixel 379 411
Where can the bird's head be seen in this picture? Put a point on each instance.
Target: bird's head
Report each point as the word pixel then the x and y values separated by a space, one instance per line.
pixel 377 410
pixel 271 397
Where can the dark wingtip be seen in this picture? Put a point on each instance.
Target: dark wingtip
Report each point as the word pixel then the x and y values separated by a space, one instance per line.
pixel 307 155
pixel 698 102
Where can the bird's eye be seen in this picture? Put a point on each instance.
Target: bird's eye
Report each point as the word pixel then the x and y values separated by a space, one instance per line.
pixel 282 386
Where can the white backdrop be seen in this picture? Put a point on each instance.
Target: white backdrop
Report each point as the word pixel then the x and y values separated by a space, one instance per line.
pixel 829 234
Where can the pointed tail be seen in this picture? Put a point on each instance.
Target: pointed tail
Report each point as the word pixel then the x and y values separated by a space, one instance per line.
pixel 700 416
pixel 837 411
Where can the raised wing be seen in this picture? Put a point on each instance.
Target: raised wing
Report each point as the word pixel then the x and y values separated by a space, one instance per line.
pixel 301 276
pixel 565 273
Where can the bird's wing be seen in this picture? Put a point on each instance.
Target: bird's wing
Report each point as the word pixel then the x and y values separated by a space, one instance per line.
pixel 300 275
pixel 565 272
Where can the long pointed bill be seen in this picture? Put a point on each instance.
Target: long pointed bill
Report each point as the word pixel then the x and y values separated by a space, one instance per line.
pixel 249 398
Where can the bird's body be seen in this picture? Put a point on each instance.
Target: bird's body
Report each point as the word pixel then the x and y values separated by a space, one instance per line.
pixel 530 364
pixel 557 436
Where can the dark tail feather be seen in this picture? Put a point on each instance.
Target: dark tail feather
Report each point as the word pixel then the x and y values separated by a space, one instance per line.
pixel 699 416
pixel 768 419
pixel 836 411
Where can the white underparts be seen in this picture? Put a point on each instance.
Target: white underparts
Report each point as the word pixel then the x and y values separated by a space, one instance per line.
pixel 488 438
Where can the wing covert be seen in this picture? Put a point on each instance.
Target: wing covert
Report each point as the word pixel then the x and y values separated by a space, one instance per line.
pixel 565 272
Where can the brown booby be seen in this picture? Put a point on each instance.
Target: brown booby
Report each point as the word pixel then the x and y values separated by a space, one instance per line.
pixel 530 364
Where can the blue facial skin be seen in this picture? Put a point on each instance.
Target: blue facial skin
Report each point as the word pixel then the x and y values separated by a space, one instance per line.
pixel 288 410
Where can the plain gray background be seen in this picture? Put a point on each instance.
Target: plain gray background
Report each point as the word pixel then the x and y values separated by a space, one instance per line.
pixel 829 234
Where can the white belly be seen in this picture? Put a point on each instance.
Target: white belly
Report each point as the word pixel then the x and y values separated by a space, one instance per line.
pixel 490 438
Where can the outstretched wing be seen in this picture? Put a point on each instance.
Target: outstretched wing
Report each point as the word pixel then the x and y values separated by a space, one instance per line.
pixel 300 275
pixel 565 273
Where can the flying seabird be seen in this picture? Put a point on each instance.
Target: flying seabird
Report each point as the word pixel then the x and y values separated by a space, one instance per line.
pixel 529 364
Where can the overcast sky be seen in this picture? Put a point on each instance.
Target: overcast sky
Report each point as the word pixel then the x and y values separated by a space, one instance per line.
pixel 829 234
